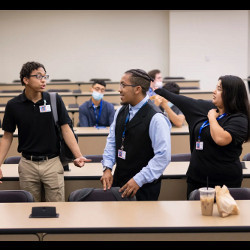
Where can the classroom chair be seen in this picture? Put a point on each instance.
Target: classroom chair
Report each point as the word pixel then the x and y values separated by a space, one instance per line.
pixel 59 90
pixel 94 158
pixel 11 91
pixel 60 80
pixel 99 79
pixel 246 157
pixel 98 194
pixel 12 160
pixel 7 196
pixel 173 78
pixel 181 157
pixel 236 193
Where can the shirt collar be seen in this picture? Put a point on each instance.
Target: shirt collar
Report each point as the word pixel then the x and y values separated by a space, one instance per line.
pixel 139 105
pixel 24 98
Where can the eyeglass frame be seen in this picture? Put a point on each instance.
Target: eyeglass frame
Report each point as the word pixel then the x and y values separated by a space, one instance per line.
pixel 46 77
pixel 122 85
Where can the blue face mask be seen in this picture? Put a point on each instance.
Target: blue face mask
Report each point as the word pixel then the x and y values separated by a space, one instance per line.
pixel 97 96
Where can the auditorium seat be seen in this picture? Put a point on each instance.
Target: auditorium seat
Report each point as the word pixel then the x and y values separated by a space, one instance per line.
pixel 7 196
pixel 246 157
pixel 59 90
pixel 94 158
pixel 12 160
pixel 98 194
pixel 99 79
pixel 236 193
pixel 181 157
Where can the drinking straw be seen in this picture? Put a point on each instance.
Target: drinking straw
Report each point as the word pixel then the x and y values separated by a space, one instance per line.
pixel 207 182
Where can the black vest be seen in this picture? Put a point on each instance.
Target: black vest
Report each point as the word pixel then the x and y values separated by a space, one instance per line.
pixel 137 143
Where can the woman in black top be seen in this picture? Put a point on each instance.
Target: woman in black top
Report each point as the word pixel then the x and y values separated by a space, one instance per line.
pixel 217 131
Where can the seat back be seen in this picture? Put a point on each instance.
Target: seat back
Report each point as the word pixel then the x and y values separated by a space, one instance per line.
pixel 181 157
pixel 94 158
pixel 236 193
pixel 12 160
pixel 98 194
pixel 99 79
pixel 7 196
pixel 246 157
pixel 59 90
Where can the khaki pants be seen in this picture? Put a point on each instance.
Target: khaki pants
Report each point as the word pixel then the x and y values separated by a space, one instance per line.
pixel 48 175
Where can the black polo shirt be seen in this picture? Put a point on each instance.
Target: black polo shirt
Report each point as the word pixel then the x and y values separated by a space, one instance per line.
pixel 36 130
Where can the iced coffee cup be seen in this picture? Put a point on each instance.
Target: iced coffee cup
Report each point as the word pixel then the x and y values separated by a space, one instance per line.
pixel 207 200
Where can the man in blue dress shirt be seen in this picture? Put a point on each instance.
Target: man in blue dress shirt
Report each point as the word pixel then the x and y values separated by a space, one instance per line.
pixel 96 112
pixel 139 141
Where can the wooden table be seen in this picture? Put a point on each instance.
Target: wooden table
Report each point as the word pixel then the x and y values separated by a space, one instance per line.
pixel 125 220
pixel 92 140
pixel 173 180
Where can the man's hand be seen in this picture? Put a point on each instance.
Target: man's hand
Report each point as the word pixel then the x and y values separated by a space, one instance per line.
pixel 129 189
pixel 80 161
pixel 107 179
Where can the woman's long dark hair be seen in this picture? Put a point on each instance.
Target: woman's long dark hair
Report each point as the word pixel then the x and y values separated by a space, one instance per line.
pixel 235 97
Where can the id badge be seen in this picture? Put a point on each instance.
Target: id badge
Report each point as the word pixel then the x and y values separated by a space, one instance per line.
pixel 45 108
pixel 199 145
pixel 121 154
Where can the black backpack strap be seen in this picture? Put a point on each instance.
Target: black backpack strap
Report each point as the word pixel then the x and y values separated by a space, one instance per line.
pixel 53 106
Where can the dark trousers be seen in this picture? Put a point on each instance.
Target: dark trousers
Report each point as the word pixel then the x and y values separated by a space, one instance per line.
pixel 149 191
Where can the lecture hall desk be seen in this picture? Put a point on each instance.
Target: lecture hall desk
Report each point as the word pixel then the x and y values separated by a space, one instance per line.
pixel 173 180
pixel 124 220
pixel 85 86
pixel 110 96
pixel 93 141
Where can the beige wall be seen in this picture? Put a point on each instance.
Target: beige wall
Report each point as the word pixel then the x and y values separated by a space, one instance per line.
pixel 82 44
pixel 206 44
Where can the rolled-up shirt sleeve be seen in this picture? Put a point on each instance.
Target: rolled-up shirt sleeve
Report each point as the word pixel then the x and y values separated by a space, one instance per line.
pixel 160 135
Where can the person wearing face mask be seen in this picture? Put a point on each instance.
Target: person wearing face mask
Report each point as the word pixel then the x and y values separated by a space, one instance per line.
pixel 170 110
pixel 96 112
pixel 155 74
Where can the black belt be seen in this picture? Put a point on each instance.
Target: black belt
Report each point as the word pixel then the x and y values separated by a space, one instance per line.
pixel 38 157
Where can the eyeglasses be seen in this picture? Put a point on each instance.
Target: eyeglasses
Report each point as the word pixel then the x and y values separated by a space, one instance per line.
pixel 122 85
pixel 40 77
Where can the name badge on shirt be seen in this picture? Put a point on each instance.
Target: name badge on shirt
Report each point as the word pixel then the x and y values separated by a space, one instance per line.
pixel 45 108
pixel 121 154
pixel 199 145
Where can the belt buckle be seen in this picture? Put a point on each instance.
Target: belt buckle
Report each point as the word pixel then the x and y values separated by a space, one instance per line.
pixel 37 158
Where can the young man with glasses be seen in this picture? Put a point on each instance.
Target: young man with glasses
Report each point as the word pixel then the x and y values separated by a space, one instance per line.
pixel 96 112
pixel 38 141
pixel 138 143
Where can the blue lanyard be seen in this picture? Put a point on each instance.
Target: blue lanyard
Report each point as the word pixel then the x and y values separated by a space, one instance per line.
pixel 100 111
pixel 126 121
pixel 206 123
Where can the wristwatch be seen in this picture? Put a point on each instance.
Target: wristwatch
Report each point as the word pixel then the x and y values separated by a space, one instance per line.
pixel 105 168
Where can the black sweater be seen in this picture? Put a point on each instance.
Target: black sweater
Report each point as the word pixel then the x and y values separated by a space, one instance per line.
pixel 221 164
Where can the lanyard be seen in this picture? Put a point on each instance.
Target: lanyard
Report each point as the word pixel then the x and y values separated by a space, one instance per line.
pixel 125 124
pixel 97 117
pixel 206 123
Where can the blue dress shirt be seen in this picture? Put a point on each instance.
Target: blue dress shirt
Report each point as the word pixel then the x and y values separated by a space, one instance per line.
pixel 87 116
pixel 159 133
